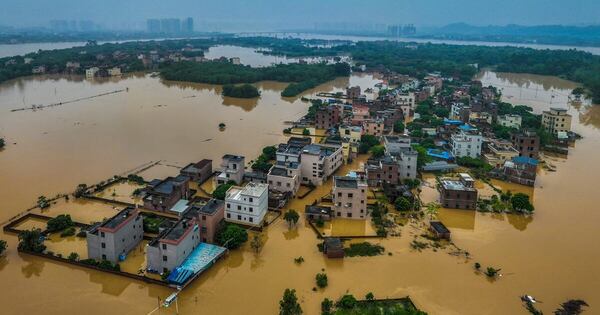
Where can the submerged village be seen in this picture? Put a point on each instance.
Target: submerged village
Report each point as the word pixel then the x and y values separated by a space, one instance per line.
pixel 387 157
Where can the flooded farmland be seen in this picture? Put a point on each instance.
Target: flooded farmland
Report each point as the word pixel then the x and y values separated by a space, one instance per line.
pixel 552 255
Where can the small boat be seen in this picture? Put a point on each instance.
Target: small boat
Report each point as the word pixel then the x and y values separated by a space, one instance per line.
pixel 528 298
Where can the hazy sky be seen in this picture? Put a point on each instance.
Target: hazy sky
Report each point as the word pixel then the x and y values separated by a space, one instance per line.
pixel 297 13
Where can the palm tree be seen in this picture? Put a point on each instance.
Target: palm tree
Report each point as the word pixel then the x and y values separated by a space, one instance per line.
pixel 292 217
pixel 432 209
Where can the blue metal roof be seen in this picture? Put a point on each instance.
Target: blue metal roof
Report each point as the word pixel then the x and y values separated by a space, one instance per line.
pixel 198 261
pixel 525 160
pixel 439 154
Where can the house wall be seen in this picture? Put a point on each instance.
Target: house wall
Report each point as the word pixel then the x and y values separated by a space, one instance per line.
pixel 350 203
pixel 121 242
pixel 245 211
pixel 458 199
pixel 169 256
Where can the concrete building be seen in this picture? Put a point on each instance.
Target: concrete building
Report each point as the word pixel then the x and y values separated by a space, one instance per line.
pixel 290 152
pixel 208 215
pixel 458 194
pixel 232 169
pixel 247 205
pixel 406 102
pixel 198 172
pixel 460 111
pixel 319 161
pixel 466 144
pixel 113 72
pixel 360 113
pixel 556 120
pixel 400 150
pixel 353 92
pixel 349 197
pixel 327 117
pixel 315 212
pixel 284 178
pixel 499 151
pixel 115 237
pixel 351 133
pixel 385 170
pixel 373 127
pixel 38 70
pixel 511 121
pixel 91 72
pixel 172 246
pixel 162 195
pixel 527 143
pixel 521 170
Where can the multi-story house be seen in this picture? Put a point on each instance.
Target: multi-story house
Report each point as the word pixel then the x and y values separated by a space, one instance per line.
pixel 499 151
pixel 349 197
pixel 458 194
pixel 162 195
pixel 208 215
pixel 509 120
pixel 556 120
pixel 198 172
pixel 384 170
pixel 247 205
pixel 327 117
pixel 400 150
pixel 172 246
pixel 232 169
pixel 319 161
pixel 284 178
pixel 527 143
pixel 466 144
pixel 353 92
pixel 115 237
pixel 351 133
pixel 373 127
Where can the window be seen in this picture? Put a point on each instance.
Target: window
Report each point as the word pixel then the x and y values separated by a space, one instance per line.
pixel 250 219
pixel 250 209
pixel 203 218
pixel 251 199
pixel 228 206
pixel 164 257
pixel 229 216
pixel 239 207
pixel 164 246
pixel 350 195
pixel 101 234
pixel 103 257
pixel 103 245
pixel 239 217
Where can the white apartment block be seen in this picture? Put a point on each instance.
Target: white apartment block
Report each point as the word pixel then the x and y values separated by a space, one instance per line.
pixel 511 121
pixel 466 144
pixel 284 178
pixel 247 205
pixel 556 120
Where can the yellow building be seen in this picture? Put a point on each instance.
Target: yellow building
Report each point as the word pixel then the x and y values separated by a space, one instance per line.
pixel 556 120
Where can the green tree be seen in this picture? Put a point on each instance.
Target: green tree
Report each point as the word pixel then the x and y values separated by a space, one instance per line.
pixel 221 191
pixel 369 296
pixel 326 306
pixel 2 143
pixel 321 279
pixel 73 256
pixel 571 307
pixel 240 91
pixel 256 243
pixel 399 126
pixel 31 240
pixel 291 217
pixel 305 132
pixel 59 223
pixel 432 209
pixel 232 236
pixel 42 202
pixel 289 303
pixel 492 272
pixel 520 202
pixel 378 151
pixel 2 246
pixel 347 302
pixel 402 204
pixel 270 152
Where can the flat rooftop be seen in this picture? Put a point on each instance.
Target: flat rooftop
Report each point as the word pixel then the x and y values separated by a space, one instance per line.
pixel 452 184
pixel 251 189
pixel 234 158
pixel 320 150
pixel 278 171
pixel 119 218
pixel 167 185
pixel 439 227
pixel 346 182
pixel 192 167
pixel 178 230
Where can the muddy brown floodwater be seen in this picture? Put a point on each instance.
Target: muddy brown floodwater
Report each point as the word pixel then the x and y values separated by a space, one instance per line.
pixel 553 256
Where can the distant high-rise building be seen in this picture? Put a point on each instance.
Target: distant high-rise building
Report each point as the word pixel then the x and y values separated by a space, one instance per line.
pixel 171 26
pixel 153 26
pixel 188 25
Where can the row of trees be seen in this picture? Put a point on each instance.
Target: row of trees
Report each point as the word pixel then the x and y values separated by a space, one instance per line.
pixel 302 76
pixel 241 91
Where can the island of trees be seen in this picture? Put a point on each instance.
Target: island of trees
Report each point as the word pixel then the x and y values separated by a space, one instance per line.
pixel 240 91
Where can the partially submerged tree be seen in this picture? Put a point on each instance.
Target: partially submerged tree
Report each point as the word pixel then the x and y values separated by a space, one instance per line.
pixel 291 217
pixel 321 279
pixel 289 303
pixel 432 209
pixel 61 222
pixel 31 240
pixel 2 246
pixel 232 236
pixel 256 243
pixel 571 307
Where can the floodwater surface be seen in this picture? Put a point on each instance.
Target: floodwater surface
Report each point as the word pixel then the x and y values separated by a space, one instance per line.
pixel 553 255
